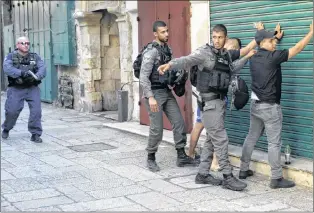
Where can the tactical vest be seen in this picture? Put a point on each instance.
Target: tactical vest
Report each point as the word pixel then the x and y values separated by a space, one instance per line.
pixel 216 80
pixel 165 55
pixel 27 62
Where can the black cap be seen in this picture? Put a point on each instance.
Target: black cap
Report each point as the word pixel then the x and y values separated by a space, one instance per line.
pixel 262 34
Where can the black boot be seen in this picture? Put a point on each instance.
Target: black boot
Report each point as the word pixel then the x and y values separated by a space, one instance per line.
pixel 185 160
pixel 151 163
pixel 245 174
pixel 281 183
pixel 231 182
pixel 5 134
pixel 36 138
pixel 207 179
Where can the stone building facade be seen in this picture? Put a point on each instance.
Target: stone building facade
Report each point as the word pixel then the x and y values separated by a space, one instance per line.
pixel 107 45
pixel 106 33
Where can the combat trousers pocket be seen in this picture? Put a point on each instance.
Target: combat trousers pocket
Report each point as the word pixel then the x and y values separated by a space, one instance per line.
pixel 209 106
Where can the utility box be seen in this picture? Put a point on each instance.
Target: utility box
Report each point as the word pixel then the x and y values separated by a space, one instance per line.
pixel 122 105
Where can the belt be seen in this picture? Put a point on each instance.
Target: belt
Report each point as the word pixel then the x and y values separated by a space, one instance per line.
pixel 217 96
pixel 159 87
pixel 266 102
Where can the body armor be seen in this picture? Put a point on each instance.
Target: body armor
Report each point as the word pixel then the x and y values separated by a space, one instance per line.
pixel 165 56
pixel 27 62
pixel 217 79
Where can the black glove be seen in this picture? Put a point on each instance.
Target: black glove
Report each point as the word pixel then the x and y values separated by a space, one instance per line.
pixel 24 73
pixel 29 78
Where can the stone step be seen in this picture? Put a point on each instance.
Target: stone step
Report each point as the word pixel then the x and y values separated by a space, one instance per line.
pixel 300 170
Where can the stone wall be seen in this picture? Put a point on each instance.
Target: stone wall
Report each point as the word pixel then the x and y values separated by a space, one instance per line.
pixel 110 61
pixel 107 43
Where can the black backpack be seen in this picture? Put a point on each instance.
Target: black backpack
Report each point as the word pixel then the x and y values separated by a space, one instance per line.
pixel 240 93
pixel 138 62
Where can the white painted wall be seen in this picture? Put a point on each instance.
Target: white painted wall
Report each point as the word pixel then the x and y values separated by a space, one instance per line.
pixel 131 9
pixel 200 32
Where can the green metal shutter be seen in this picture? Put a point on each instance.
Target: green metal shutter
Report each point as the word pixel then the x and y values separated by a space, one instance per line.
pixel 63 33
pixel 297 87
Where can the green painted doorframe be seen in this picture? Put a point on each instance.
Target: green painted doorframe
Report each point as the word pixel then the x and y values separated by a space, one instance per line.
pixel 33 19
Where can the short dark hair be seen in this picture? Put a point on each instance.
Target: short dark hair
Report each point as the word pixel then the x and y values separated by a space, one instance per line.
pixel 158 24
pixel 239 42
pixel 220 28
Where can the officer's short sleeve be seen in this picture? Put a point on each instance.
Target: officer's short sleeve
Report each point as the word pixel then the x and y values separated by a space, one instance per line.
pixel 235 54
pixel 280 56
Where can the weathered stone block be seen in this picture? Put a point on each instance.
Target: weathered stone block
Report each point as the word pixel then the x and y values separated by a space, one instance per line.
pixel 87 75
pixel 96 73
pixel 115 41
pixel 90 63
pixel 116 75
pixel 94 29
pixel 111 62
pixel 105 75
pixel 108 85
pixel 105 40
pixel 89 86
pixel 118 84
pixel 114 30
pixel 94 96
pixel 110 102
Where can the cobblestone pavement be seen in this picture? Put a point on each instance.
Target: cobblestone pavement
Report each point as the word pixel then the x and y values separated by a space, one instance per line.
pixel 71 171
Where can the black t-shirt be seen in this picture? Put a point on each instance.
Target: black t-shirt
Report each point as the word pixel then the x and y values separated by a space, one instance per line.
pixel 266 74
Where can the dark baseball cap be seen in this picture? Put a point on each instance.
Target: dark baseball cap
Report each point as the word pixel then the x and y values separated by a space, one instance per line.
pixel 262 34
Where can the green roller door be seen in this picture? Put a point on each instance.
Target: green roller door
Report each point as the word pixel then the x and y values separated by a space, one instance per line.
pixel 297 87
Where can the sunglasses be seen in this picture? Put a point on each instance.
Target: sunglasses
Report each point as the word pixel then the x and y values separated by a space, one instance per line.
pixel 24 43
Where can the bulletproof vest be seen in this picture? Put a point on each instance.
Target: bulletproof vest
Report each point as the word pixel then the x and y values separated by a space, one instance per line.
pixel 217 79
pixel 27 62
pixel 165 55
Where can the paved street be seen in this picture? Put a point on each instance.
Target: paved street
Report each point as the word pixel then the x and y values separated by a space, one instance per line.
pixel 83 166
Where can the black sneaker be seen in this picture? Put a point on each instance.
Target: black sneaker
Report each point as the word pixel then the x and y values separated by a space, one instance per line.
pixel 281 183
pixel 207 179
pixel 5 134
pixel 232 183
pixel 185 160
pixel 152 165
pixel 36 138
pixel 245 174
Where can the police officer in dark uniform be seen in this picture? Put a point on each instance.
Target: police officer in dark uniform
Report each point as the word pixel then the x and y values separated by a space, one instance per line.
pixel 25 70
pixel 266 113
pixel 159 99
pixel 213 79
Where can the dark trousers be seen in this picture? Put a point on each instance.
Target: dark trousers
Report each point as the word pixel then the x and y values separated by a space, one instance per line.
pixel 167 104
pixel 15 104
